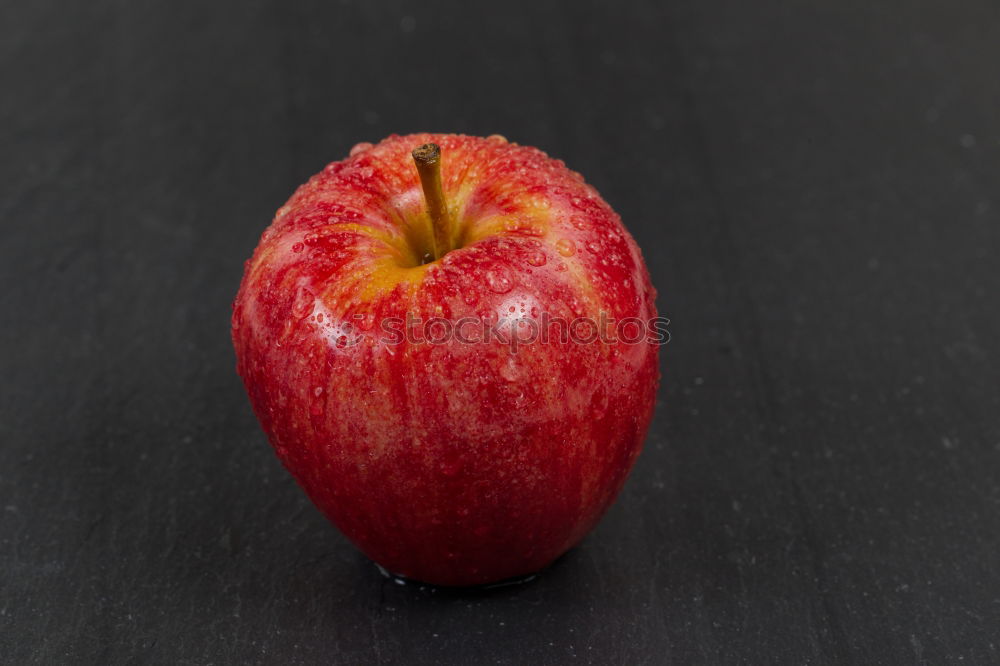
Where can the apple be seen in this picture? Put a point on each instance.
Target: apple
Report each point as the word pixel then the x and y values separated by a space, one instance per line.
pixel 390 330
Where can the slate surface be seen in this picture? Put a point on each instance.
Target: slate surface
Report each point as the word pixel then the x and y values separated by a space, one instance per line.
pixel 815 186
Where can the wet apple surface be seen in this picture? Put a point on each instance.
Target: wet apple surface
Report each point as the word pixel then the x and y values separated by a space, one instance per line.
pixel 471 450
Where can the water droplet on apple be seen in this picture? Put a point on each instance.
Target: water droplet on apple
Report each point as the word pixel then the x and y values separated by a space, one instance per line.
pixel 497 137
pixel 579 222
pixel 537 258
pixel 304 303
pixel 498 281
pixel 360 148
pixel 318 391
pixel 470 296
pixel 297 247
pixel 489 317
pixel 594 246
pixel 566 247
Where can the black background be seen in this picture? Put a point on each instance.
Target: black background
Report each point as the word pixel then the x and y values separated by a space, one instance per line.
pixel 815 189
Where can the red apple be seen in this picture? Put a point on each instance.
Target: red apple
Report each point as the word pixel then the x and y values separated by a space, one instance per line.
pixel 369 332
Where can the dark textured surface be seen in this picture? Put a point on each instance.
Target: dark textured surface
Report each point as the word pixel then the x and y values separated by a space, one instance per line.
pixel 815 190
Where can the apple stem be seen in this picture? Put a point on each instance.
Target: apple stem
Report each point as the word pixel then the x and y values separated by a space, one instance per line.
pixel 428 160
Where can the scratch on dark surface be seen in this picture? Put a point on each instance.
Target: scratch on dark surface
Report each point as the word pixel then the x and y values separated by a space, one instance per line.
pixel 918 649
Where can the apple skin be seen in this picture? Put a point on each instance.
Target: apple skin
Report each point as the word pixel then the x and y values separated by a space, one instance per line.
pixel 450 463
